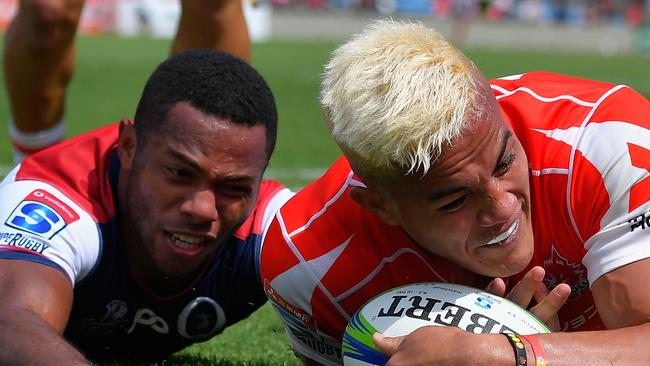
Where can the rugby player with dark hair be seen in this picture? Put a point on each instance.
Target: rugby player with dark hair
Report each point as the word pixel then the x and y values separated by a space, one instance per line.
pixel 138 239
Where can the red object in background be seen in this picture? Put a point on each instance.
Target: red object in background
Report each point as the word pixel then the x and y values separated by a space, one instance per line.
pixel 634 15
pixel 98 15
pixel 7 10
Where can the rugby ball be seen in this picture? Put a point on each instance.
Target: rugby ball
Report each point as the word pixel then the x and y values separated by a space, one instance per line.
pixel 399 311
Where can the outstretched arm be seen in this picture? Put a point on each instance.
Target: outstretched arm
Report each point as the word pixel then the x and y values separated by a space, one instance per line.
pixel 35 302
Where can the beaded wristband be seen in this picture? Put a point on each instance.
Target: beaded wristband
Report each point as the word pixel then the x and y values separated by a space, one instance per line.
pixel 538 351
pixel 521 359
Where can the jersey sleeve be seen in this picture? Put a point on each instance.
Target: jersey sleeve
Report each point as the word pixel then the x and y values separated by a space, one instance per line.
pixel 289 279
pixel 281 271
pixel 39 223
pixel 612 207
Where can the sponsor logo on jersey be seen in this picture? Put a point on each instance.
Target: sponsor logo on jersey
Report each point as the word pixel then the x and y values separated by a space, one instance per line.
pixel 41 214
pixel 295 312
pixel 640 222
pixel 115 320
pixel 147 317
pixel 23 241
pixel 201 319
pixel 560 270
pixel 322 344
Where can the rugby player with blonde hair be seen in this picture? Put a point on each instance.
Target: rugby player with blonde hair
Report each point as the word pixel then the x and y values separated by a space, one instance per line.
pixel 534 186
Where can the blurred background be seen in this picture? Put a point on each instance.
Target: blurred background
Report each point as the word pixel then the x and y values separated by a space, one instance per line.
pixel 607 26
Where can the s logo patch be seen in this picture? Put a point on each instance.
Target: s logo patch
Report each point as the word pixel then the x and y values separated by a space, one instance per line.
pixel 42 214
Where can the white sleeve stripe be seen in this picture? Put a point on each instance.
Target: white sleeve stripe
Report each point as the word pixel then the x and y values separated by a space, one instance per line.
pixel 574 147
pixel 302 260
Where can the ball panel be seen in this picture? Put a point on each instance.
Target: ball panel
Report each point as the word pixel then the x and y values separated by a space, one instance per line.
pixel 358 346
pixel 401 310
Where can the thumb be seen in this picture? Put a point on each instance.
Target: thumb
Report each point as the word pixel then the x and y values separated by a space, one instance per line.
pixel 387 345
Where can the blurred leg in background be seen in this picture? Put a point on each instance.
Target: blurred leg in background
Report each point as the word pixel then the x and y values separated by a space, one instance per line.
pixel 216 24
pixel 39 59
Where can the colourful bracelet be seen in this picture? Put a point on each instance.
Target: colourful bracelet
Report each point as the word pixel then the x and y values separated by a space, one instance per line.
pixel 538 351
pixel 521 359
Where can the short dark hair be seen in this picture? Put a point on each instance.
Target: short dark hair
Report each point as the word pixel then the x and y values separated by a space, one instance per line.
pixel 215 83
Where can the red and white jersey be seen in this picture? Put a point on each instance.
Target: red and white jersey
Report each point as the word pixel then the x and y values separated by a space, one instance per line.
pixel 588 146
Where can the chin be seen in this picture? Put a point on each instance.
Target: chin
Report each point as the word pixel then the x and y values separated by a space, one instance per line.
pixel 507 267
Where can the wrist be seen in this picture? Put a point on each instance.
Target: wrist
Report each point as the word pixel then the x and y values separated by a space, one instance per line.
pixel 518 349
pixel 536 355
pixel 488 350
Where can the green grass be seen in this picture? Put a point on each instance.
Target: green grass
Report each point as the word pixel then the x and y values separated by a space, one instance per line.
pixel 109 78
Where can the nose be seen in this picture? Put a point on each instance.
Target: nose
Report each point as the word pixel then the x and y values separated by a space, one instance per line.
pixel 201 207
pixel 497 205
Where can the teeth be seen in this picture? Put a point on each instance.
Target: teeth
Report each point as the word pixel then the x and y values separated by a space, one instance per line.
pixel 187 241
pixel 503 236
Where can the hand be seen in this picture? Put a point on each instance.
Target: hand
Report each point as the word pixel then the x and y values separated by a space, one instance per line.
pixel 430 345
pixel 532 286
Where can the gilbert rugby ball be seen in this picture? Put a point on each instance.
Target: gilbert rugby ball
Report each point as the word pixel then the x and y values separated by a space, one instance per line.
pixel 399 311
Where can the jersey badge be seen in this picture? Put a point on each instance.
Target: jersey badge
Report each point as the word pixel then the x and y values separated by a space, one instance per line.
pixel 42 214
pixel 560 270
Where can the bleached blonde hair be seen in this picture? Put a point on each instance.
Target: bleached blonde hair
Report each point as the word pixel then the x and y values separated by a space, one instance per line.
pixel 396 93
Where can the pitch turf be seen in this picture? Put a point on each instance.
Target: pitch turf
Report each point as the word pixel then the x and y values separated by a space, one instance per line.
pixel 109 78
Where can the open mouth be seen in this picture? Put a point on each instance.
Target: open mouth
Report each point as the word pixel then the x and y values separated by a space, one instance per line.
pixel 503 237
pixel 187 243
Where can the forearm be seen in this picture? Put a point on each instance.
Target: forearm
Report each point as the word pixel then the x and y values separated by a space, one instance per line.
pixel 28 340
pixel 624 346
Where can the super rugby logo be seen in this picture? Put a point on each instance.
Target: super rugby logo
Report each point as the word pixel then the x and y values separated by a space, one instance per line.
pixel 42 214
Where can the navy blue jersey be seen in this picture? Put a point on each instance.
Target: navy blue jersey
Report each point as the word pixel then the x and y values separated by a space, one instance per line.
pixel 61 212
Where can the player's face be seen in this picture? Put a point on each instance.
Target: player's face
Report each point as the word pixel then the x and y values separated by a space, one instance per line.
pixel 473 206
pixel 190 187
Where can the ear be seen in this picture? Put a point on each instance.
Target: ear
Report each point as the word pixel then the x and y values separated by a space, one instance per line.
pixel 126 144
pixel 375 203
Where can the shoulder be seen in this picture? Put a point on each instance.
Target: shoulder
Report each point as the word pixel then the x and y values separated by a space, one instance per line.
pixel 78 167
pixel 40 223
pixel 53 203
pixel 550 85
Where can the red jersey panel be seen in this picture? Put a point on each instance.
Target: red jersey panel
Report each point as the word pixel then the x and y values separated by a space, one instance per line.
pixel 588 146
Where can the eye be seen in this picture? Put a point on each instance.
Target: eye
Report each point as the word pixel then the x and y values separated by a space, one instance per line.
pixel 455 204
pixel 177 173
pixel 236 190
pixel 505 164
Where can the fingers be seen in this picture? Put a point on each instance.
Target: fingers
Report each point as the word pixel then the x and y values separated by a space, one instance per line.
pixel 523 291
pixel 387 345
pixel 497 286
pixel 549 303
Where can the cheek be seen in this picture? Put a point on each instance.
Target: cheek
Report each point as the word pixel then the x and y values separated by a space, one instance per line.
pixel 234 211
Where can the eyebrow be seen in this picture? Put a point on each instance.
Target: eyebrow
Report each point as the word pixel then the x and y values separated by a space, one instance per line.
pixel 181 157
pixel 178 156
